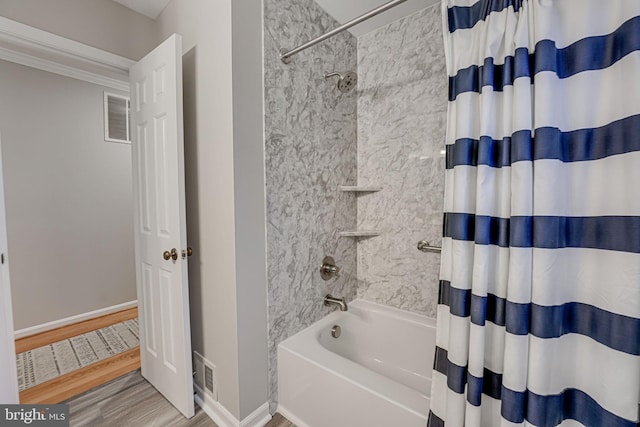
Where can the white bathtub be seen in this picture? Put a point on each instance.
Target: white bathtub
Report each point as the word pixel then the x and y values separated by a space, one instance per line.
pixel 376 374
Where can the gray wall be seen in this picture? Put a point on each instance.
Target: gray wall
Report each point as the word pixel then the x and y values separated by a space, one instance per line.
pixel 402 106
pixel 68 198
pixel 310 150
pixel 249 185
pixel 104 24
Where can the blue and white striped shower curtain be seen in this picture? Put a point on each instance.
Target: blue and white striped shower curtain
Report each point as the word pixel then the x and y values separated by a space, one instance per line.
pixel 539 310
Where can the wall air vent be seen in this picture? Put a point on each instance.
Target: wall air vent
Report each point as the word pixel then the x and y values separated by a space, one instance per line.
pixel 205 376
pixel 208 378
pixel 116 118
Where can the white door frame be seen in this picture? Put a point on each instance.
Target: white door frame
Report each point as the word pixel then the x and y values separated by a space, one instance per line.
pixel 26 45
pixel 8 389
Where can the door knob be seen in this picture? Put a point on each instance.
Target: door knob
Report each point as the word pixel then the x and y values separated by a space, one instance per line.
pixel 170 255
pixel 187 252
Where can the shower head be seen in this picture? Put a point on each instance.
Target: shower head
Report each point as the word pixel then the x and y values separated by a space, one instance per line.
pixel 346 81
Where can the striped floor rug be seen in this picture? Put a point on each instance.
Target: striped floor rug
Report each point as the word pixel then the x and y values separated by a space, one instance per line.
pixel 50 361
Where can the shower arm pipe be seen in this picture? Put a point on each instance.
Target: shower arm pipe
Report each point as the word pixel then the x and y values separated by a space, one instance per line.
pixel 286 55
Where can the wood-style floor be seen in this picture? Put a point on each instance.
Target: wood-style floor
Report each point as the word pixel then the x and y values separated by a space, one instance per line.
pixel 83 379
pixel 73 330
pixel 131 401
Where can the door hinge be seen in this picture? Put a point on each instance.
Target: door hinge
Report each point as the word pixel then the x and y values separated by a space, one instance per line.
pixel 2 259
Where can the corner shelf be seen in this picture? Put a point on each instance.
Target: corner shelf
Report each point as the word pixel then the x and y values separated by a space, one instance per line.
pixel 360 233
pixel 360 188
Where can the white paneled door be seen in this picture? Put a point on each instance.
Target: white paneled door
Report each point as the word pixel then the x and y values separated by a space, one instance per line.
pixel 160 223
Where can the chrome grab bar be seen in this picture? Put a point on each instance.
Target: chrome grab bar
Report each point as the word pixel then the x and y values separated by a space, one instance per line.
pixel 425 246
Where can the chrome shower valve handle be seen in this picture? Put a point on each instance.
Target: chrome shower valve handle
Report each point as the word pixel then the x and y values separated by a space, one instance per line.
pixel 329 269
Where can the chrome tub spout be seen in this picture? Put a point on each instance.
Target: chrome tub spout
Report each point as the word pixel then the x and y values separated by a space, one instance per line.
pixel 330 300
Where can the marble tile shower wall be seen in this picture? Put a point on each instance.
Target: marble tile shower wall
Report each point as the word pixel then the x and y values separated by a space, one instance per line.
pixel 310 150
pixel 402 104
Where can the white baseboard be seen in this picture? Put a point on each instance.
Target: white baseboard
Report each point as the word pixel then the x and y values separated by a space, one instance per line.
pixel 257 418
pixel 224 418
pixel 21 333
pixel 288 415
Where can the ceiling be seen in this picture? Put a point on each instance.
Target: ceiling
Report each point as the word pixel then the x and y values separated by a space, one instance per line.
pixel 150 8
pixel 341 10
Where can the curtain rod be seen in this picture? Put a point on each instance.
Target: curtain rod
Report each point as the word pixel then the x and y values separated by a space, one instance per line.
pixel 285 55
